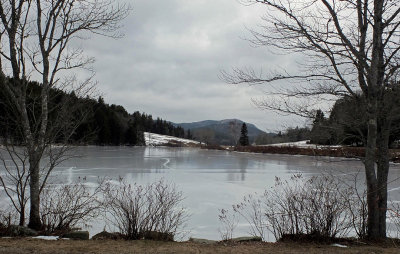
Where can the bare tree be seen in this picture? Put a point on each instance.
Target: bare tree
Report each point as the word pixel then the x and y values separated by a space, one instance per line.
pixel 14 156
pixel 348 47
pixel 35 44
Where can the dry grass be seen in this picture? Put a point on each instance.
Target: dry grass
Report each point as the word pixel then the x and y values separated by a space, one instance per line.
pixel 349 152
pixel 18 246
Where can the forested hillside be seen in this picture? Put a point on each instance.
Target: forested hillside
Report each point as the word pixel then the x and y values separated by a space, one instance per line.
pixel 96 121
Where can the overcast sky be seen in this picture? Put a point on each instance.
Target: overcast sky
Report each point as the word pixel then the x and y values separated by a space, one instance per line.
pixel 169 61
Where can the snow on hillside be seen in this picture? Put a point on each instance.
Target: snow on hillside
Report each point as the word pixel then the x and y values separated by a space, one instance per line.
pixel 153 139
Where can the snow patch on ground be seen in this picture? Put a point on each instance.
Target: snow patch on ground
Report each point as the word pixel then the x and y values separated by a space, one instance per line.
pixel 153 139
pixel 303 144
pixel 339 245
pixel 49 238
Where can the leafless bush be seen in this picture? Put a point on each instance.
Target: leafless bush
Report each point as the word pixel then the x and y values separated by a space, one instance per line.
pixel 150 211
pixel 8 217
pixel 355 198
pixel 394 217
pixel 229 222
pixel 15 178
pixel 313 207
pixel 65 207
pixel 252 209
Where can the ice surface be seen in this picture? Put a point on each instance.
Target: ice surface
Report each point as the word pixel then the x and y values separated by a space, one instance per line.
pixel 210 180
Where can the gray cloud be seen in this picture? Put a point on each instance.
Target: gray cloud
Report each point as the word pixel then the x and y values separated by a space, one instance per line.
pixel 170 58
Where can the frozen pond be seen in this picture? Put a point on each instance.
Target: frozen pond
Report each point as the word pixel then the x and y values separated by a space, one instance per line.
pixel 210 180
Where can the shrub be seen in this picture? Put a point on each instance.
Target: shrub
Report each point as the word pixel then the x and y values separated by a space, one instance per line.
pixel 8 217
pixel 312 207
pixel 145 211
pixel 229 222
pixel 317 207
pixel 66 206
pixel 394 217
pixel 355 198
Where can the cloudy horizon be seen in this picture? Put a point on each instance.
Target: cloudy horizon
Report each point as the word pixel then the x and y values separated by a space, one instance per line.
pixel 169 61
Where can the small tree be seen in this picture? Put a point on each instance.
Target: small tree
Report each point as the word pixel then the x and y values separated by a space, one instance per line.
pixel 244 138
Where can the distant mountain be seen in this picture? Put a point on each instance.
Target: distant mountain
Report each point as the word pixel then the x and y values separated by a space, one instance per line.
pixel 224 132
pixel 195 125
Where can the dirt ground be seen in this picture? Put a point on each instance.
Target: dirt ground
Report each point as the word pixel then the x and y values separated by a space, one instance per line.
pixel 17 246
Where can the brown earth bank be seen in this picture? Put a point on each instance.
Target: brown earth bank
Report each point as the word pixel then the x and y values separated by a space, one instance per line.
pixel 26 245
pixel 348 152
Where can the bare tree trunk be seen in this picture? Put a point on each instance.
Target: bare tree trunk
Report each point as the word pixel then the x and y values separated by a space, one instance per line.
pixel 34 215
pixel 370 172
pixel 382 172
pixel 375 87
pixel 22 216
pixel 377 170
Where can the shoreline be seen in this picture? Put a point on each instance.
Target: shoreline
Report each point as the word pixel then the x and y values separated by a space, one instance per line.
pixel 336 152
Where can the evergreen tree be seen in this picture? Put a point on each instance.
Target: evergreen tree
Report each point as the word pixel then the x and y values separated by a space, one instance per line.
pixel 320 132
pixel 319 117
pixel 189 134
pixel 244 138
pixel 133 136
